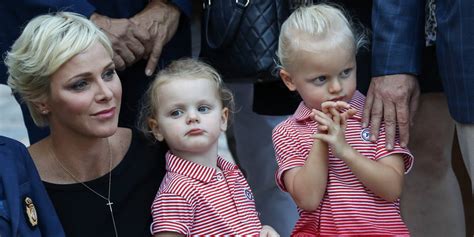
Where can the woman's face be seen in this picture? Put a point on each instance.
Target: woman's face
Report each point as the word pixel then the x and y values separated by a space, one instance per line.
pixel 85 95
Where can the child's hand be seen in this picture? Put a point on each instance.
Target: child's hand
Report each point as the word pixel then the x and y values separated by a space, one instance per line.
pixel 332 127
pixel 327 106
pixel 330 108
pixel 268 231
pixel 338 105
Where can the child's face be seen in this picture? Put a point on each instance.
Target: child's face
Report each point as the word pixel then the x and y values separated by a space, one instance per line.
pixel 190 116
pixel 322 75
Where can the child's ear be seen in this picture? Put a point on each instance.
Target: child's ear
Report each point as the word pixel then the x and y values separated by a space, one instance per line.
pixel 286 77
pixel 224 119
pixel 153 125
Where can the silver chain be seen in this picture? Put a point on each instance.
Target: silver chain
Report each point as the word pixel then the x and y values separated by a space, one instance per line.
pixel 109 203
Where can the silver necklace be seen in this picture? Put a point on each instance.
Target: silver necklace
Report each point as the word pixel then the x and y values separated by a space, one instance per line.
pixel 109 203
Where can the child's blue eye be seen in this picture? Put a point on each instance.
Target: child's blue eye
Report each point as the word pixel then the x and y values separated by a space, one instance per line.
pixel 346 73
pixel 319 80
pixel 204 108
pixel 176 113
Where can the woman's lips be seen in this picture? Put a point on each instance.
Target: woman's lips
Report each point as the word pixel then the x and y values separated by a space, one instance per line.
pixel 105 114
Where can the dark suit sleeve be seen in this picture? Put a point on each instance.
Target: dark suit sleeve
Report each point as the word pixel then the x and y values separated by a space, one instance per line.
pixel 19 179
pixel 185 6
pixel 49 224
pixel 32 8
pixel 5 229
pixel 398 36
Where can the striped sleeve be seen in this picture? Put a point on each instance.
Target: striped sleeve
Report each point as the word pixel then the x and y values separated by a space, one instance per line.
pixel 287 154
pixel 382 152
pixel 171 213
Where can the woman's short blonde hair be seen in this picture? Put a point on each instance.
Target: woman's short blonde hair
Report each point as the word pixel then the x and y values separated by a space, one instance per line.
pixel 184 68
pixel 47 42
pixel 319 23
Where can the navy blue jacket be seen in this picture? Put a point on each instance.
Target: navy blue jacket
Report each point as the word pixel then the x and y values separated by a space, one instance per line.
pixel 398 40
pixel 19 180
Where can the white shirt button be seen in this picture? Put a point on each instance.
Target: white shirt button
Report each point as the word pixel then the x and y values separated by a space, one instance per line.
pixel 219 176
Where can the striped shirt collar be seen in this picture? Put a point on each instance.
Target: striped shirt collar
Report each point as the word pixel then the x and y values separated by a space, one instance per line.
pixel 357 102
pixel 190 169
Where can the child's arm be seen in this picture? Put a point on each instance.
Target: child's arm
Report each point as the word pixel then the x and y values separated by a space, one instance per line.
pixel 167 234
pixel 383 177
pixel 307 184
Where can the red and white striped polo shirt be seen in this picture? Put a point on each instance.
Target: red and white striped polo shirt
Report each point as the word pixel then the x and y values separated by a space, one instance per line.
pixel 196 200
pixel 348 207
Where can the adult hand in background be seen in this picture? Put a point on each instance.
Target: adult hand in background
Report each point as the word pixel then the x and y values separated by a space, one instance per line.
pixel 160 19
pixel 128 40
pixel 393 98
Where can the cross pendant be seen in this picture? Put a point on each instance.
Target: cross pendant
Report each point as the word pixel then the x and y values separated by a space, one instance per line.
pixel 109 203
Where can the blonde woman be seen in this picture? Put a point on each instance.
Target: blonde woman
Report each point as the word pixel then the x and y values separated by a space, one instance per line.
pixel 100 177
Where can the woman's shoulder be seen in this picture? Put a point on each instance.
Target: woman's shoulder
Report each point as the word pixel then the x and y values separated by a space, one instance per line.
pixel 139 151
pixel 140 143
pixel 40 153
pixel 128 137
pixel 122 140
pixel 131 142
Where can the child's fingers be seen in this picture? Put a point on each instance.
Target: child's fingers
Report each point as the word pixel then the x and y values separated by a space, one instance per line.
pixel 323 128
pixel 326 105
pixel 268 231
pixel 313 113
pixel 337 105
pixel 340 105
pixel 321 136
pixel 336 116
pixel 322 114
pixel 264 233
pixel 347 114
pixel 350 112
pixel 322 118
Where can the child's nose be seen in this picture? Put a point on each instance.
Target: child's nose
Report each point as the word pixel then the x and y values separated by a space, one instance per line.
pixel 192 118
pixel 335 86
